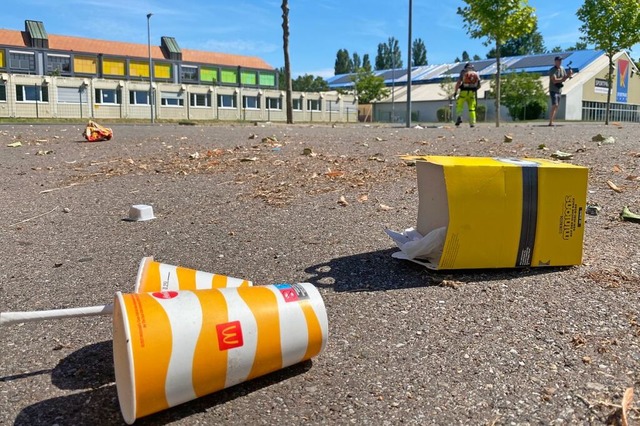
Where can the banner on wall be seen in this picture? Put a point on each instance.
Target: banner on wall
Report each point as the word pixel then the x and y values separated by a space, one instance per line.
pixel 622 92
pixel 601 85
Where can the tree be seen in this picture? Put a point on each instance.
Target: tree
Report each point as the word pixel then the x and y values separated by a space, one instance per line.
pixel 366 62
pixel 287 61
pixel 456 60
pixel 476 57
pixel 309 83
pixel 578 46
pixel 369 87
pixel 498 21
pixel 611 26
pixel 531 43
pixel 389 55
pixel 343 64
pixel 465 56
pixel 355 62
pixel 556 49
pixel 419 53
pixel 523 95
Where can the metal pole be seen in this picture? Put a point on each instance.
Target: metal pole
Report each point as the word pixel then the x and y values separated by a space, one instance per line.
pixel 409 68
pixel 149 15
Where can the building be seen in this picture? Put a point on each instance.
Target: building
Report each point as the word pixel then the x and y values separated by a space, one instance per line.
pixel 584 96
pixel 56 76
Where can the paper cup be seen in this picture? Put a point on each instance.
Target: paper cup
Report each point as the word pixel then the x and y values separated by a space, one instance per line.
pixel 171 347
pixel 156 276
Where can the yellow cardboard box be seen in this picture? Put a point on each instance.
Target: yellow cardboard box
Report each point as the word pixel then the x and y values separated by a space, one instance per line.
pixel 502 212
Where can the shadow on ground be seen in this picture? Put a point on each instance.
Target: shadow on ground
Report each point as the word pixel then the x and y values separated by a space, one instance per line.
pixel 378 271
pixel 100 405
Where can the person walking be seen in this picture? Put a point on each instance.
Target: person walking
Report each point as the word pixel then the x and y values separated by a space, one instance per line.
pixel 468 84
pixel 557 76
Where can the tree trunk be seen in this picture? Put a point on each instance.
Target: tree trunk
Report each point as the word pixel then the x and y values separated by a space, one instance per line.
pixel 610 83
pixel 498 67
pixel 287 62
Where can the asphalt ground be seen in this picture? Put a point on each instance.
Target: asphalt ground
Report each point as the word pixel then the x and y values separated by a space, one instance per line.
pixel 406 345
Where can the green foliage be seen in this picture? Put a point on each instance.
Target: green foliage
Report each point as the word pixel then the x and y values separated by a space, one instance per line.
pixel 447 86
pixel 343 64
pixel 419 53
pixel 498 21
pixel 355 62
pixel 481 112
pixel 444 114
pixel 523 91
pixel 611 25
pixel 369 87
pixel 465 56
pixel 389 55
pixel 531 43
pixel 476 57
pixel 366 62
pixel 310 83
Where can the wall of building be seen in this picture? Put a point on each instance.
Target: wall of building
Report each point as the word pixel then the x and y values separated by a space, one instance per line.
pixel 75 97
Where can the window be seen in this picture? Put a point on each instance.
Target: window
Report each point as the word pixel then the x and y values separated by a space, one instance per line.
pixel 229 76
pixel 267 80
pixel 22 61
pixel 58 64
pixel 32 93
pixel 248 78
pixel 72 95
pixel 313 105
pixel 162 70
pixel 111 66
pixel 108 96
pixel 274 103
pixel 227 101
pixel 297 104
pixel 2 65
pixel 188 73
pixel 200 100
pixel 209 75
pixel 138 69
pixel 251 102
pixel 139 97
pixel 172 99
pixel 3 93
pixel 84 65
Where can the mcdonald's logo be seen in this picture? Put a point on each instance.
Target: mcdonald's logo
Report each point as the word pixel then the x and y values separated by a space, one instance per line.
pixel 229 335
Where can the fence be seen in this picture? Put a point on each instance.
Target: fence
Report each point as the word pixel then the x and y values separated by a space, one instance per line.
pixel 596 111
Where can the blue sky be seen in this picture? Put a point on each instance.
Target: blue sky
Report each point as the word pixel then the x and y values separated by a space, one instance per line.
pixel 319 28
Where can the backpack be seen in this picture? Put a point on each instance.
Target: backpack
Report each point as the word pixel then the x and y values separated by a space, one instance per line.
pixel 470 80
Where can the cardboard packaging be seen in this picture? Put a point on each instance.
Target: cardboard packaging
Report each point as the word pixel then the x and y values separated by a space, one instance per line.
pixel 500 212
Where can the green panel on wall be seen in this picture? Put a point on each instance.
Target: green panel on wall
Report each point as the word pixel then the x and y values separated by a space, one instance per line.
pixel 208 75
pixel 248 77
pixel 228 76
pixel 267 80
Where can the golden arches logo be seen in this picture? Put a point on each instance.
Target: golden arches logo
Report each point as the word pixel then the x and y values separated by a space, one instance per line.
pixel 229 335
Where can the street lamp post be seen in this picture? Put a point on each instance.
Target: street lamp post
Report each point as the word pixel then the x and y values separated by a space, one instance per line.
pixel 150 66
pixel 409 69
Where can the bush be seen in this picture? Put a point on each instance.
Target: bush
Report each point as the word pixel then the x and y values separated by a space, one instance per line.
pixel 481 112
pixel 532 111
pixel 444 114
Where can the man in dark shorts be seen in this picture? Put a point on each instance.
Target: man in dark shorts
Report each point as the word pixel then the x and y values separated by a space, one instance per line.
pixel 557 76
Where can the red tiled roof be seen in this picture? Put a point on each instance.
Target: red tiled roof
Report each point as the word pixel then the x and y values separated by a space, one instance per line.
pixel 135 50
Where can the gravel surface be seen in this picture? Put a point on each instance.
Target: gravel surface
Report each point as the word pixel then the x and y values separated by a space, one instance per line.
pixel 406 345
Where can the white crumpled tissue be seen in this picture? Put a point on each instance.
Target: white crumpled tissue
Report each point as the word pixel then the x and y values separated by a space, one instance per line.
pixel 414 245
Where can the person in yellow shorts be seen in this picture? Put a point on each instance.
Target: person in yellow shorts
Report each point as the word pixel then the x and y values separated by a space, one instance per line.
pixel 468 84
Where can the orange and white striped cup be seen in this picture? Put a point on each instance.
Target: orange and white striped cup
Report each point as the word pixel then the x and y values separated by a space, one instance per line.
pixel 156 276
pixel 171 347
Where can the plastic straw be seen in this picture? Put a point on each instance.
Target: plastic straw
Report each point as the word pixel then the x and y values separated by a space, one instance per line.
pixel 7 318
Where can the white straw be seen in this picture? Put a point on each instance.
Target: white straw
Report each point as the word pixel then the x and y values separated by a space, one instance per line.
pixel 7 318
